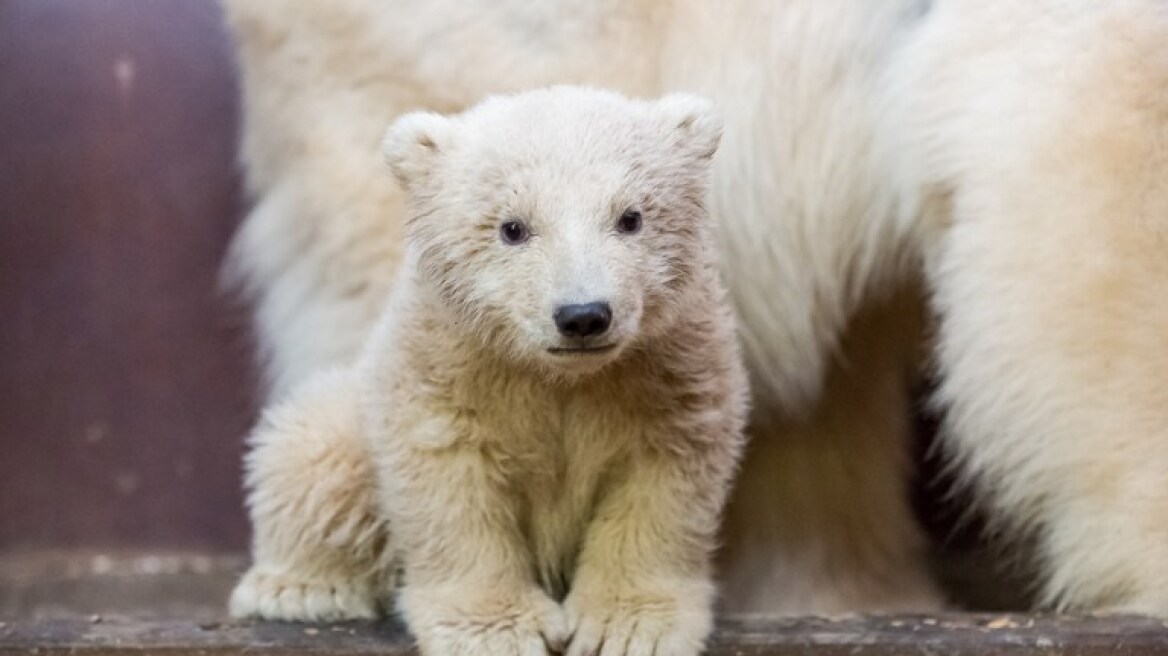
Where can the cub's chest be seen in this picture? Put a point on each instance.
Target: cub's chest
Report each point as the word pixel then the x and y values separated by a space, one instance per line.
pixel 558 451
pixel 579 454
pixel 554 439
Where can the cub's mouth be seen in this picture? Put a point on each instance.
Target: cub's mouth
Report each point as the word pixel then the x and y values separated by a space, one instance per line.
pixel 581 350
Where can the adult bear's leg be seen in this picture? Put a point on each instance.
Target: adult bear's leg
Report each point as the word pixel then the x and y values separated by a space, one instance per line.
pixel 820 520
pixel 814 242
pixel 1045 128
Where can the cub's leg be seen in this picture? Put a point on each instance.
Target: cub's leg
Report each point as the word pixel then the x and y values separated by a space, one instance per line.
pixel 643 583
pixel 468 584
pixel 1052 283
pixel 320 545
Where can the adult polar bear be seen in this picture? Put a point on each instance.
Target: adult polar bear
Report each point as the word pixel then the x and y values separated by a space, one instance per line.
pixel 1016 153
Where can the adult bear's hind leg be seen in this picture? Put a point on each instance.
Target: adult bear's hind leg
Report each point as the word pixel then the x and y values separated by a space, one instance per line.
pixel 1052 283
pixel 820 520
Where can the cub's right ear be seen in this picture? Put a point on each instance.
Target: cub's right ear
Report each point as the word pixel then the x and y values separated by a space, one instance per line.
pixel 412 145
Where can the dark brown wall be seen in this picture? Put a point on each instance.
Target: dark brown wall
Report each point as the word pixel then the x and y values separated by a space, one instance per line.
pixel 124 390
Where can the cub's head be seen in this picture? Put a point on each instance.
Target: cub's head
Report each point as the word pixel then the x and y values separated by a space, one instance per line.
pixel 563 225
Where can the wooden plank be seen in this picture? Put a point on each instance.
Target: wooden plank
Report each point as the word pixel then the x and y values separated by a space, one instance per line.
pixel 174 604
pixel 951 635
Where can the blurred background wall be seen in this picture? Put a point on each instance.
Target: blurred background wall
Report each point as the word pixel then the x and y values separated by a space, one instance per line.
pixel 125 386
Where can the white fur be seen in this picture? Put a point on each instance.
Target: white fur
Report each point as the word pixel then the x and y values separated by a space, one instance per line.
pixel 1014 149
pixel 512 474
pixel 321 543
pixel 1046 237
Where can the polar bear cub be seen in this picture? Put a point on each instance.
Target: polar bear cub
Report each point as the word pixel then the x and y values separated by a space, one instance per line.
pixel 553 402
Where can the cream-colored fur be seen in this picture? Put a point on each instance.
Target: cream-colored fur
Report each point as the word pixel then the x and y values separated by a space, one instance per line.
pixel 1048 254
pixel 1011 152
pixel 514 474
pixel 321 541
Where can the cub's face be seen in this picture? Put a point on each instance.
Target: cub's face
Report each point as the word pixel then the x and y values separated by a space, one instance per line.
pixel 560 226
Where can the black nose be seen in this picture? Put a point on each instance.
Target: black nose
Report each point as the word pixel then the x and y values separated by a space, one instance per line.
pixel 583 320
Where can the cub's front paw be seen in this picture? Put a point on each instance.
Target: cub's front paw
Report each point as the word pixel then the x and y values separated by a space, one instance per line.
pixel 274 596
pixel 454 623
pixel 626 621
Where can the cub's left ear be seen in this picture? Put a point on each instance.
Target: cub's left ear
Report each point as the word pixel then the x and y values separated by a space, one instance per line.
pixel 695 123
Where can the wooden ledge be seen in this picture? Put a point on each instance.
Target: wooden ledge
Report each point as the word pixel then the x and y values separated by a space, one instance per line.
pixel 947 635
pixel 173 604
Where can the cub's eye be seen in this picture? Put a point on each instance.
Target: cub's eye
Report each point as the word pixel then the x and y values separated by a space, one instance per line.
pixel 514 233
pixel 629 223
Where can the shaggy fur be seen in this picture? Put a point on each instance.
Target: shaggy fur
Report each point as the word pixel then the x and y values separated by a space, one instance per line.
pixel 1012 153
pixel 321 540
pixel 512 474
